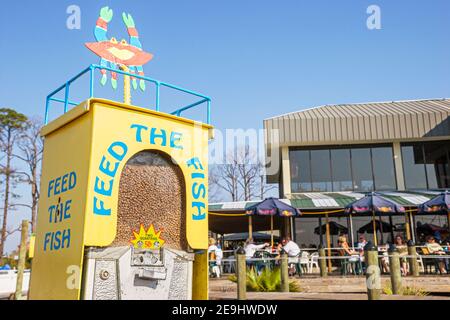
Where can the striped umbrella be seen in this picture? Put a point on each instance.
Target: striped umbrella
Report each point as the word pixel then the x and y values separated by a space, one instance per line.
pixel 374 204
pixel 438 205
pixel 271 207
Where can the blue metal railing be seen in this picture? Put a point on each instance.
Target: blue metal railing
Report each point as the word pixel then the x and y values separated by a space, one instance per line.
pixel 158 84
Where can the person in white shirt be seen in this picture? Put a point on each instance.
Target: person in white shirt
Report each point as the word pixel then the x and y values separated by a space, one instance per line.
pixel 362 243
pixel 250 248
pixel 215 257
pixel 290 247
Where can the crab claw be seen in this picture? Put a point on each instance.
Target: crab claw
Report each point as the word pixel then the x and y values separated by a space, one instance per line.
pixel 128 20
pixel 134 82
pixel 104 79
pixel 114 83
pixel 142 85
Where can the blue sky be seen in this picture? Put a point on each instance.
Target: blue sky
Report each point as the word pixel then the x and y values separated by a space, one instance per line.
pixel 256 59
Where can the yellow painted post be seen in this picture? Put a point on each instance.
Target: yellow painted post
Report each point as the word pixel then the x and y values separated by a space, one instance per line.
pixel 126 85
pixel 241 271
pixel 373 272
pixel 22 259
pixel 250 227
pixel 413 265
pixel 284 272
pixel 396 275
pixel 328 242
pixel 374 225
pixel 322 262
pixel 271 231
pixel 407 227
pixel 200 277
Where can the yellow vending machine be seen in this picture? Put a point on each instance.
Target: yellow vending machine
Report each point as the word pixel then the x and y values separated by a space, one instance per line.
pixel 124 192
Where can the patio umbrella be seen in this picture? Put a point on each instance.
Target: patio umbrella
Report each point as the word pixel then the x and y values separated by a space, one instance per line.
pixel 374 204
pixel 245 235
pixel 438 205
pixel 271 207
pixel 379 226
pixel 335 229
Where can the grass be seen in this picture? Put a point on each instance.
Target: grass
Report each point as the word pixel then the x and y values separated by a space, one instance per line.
pixel 406 291
pixel 267 281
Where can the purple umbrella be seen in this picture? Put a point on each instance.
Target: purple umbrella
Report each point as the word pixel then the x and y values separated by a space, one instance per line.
pixel 438 205
pixel 271 207
pixel 374 204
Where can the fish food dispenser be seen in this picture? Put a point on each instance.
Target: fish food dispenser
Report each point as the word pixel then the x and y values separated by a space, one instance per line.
pixel 124 192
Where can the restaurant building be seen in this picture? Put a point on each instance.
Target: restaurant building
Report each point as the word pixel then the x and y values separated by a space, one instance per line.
pixel 400 149
pixel 332 155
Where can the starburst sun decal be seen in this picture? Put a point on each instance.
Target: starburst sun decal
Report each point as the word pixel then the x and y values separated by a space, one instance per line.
pixel 149 239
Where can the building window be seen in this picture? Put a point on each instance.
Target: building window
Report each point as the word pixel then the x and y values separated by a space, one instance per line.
pixel 320 170
pixel 300 171
pixel 342 169
pixel 383 169
pixel 426 165
pixel 362 170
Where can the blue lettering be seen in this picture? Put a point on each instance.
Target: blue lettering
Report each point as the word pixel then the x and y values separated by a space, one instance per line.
pixel 106 170
pixel 67 207
pixel 200 190
pixel 50 211
pixel 139 129
pixel 175 138
pixel 101 190
pixel 101 210
pixel 199 215
pixel 57 185
pixel 57 240
pixel 122 148
pixel 154 136
pixel 195 162
pixel 66 238
pixel 198 175
pixel 47 240
pixel 64 182
pixel 72 180
pixel 50 187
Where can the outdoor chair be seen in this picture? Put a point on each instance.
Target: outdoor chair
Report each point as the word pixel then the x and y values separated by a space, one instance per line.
pixel 261 264
pixel 355 266
pixel 429 265
pixel 313 262
pixel 229 266
pixel 420 263
pixel 304 262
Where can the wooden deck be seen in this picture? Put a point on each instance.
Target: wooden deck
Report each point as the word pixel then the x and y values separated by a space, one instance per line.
pixel 336 288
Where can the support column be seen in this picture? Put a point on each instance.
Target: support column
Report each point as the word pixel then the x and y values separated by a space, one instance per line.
pixel 398 165
pixel 286 171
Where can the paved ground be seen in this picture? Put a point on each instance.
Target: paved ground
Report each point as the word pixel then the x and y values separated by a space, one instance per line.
pixel 336 288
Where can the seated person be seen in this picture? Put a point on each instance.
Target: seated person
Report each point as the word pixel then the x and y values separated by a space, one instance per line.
pixel 402 249
pixel 250 248
pixel 435 249
pixel 290 247
pixel 293 251
pixel 345 249
pixel 383 249
pixel 361 243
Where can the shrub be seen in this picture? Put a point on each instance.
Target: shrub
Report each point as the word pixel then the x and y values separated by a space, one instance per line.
pixel 406 291
pixel 269 280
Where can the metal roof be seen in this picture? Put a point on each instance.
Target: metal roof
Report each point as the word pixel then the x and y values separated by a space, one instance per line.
pixel 363 122
pixel 330 200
